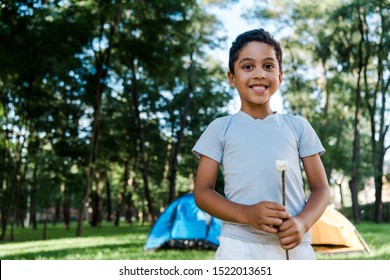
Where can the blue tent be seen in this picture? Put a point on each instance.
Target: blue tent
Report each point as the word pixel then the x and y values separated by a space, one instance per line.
pixel 184 225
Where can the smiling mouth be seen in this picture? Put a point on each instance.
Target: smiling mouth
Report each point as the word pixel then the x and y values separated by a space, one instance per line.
pixel 258 89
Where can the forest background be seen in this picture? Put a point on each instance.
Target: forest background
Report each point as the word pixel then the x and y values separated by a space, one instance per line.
pixel 102 101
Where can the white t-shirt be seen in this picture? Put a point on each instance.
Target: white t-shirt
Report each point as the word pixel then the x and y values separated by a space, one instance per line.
pixel 247 149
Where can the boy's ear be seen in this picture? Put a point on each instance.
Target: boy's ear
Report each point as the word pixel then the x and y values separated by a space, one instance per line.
pixel 280 76
pixel 232 79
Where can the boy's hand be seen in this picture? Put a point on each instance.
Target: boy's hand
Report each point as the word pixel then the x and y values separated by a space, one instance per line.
pixel 266 216
pixel 291 232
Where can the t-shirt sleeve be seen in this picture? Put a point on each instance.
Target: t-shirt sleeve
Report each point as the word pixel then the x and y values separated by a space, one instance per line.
pixel 209 144
pixel 309 142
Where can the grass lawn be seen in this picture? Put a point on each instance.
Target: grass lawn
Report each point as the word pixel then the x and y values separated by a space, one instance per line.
pixel 108 242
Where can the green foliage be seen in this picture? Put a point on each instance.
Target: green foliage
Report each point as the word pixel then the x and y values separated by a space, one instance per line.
pixel 123 65
pixel 368 212
pixel 327 46
pixel 76 71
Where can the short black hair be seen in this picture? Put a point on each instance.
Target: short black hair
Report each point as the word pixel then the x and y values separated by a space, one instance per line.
pixel 257 35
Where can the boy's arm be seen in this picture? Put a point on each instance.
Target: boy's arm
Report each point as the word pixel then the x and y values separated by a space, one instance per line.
pixel 319 190
pixel 291 232
pixel 263 215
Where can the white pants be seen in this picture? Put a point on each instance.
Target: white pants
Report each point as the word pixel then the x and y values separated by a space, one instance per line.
pixel 232 249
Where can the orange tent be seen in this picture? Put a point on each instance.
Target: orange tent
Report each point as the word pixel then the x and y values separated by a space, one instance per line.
pixel 334 233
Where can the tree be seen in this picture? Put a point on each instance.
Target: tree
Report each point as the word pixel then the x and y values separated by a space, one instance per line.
pixel 96 100
pixel 366 52
pixel 109 16
pixel 330 57
pixel 202 29
pixel 32 80
pixel 374 21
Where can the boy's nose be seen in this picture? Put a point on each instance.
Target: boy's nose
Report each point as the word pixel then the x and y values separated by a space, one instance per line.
pixel 259 73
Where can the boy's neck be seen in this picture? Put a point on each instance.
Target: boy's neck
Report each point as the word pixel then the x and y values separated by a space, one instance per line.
pixel 259 113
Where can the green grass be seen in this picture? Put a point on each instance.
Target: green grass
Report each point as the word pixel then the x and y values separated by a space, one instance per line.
pixel 127 243
pixel 102 243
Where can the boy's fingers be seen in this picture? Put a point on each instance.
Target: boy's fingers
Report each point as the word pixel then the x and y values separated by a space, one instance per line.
pixel 274 206
pixel 280 215
pixel 276 222
pixel 288 242
pixel 269 229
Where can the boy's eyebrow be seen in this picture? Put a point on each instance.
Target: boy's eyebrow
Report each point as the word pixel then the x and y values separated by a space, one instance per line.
pixel 252 59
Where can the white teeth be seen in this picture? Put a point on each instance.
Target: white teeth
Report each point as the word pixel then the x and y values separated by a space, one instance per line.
pixel 259 88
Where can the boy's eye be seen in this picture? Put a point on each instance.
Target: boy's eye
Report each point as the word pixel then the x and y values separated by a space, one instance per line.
pixel 247 67
pixel 269 66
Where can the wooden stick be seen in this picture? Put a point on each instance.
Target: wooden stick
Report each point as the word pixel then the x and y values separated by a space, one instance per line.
pixel 284 201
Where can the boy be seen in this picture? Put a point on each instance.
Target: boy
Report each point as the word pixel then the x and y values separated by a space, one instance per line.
pixel 246 145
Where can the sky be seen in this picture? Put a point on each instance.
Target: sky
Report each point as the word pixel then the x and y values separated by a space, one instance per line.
pixel 234 25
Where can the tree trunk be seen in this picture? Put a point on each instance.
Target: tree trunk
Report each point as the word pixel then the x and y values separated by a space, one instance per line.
pixel 129 197
pixel 341 194
pixel 95 201
pixel 129 207
pixel 33 202
pixel 66 207
pixel 141 143
pixel 91 165
pixel 108 201
pixel 376 108
pixel 4 219
pixel 103 62
pixel 180 134
pixel 14 201
pixel 57 212
pixel 354 182
pixel 121 197
pixel 44 235
pixel 4 190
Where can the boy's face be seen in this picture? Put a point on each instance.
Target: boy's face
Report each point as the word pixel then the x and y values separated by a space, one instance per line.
pixel 257 75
